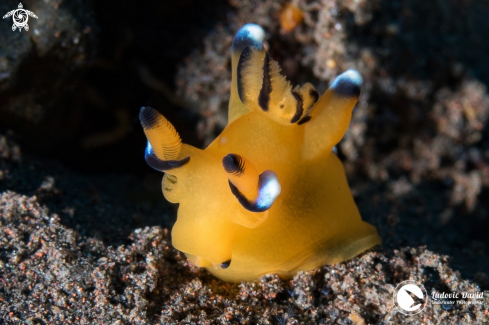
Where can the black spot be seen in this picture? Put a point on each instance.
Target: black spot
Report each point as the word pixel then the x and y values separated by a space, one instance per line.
pixel 304 120
pixel 233 164
pixel 245 56
pixel 298 107
pixel 282 106
pixel 266 87
pixel 148 117
pixel 226 264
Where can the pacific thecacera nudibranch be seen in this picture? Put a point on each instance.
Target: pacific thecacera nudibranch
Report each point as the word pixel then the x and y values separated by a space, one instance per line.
pixel 268 195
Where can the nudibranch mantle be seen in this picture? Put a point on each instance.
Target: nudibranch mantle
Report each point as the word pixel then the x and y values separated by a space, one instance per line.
pixel 268 195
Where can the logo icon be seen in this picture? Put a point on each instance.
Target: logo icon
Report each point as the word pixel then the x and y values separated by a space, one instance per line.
pixel 410 297
pixel 20 17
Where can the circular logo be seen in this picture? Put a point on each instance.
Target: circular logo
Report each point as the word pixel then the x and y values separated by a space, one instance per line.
pixel 410 297
pixel 20 17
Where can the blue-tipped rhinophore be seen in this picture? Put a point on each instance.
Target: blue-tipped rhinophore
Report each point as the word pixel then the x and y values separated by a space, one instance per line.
pixel 268 190
pixel 249 35
pixel 347 84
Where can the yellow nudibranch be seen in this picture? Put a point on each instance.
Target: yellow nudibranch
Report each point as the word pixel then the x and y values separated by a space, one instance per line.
pixel 268 195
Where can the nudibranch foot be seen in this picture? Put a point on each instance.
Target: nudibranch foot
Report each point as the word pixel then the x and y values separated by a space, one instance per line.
pixel 330 251
pixel 269 195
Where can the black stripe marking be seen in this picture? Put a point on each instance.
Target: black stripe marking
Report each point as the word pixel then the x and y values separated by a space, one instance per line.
pixel 314 95
pixel 163 165
pixel 171 178
pixel 298 107
pixel 148 117
pixel 247 204
pixel 266 87
pixel 304 120
pixel 233 164
pixel 245 56
pixel 226 264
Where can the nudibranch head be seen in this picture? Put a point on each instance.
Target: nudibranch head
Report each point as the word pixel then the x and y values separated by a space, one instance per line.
pixel 268 195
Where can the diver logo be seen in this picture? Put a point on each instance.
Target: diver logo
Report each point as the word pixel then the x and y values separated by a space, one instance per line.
pixel 410 297
pixel 20 17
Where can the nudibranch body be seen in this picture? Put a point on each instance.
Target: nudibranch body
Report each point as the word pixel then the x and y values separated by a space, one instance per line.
pixel 268 195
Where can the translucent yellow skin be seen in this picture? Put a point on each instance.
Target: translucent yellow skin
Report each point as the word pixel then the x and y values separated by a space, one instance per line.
pixel 312 222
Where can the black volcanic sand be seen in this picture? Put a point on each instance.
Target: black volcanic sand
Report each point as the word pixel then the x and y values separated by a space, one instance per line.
pixel 85 229
pixel 57 267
